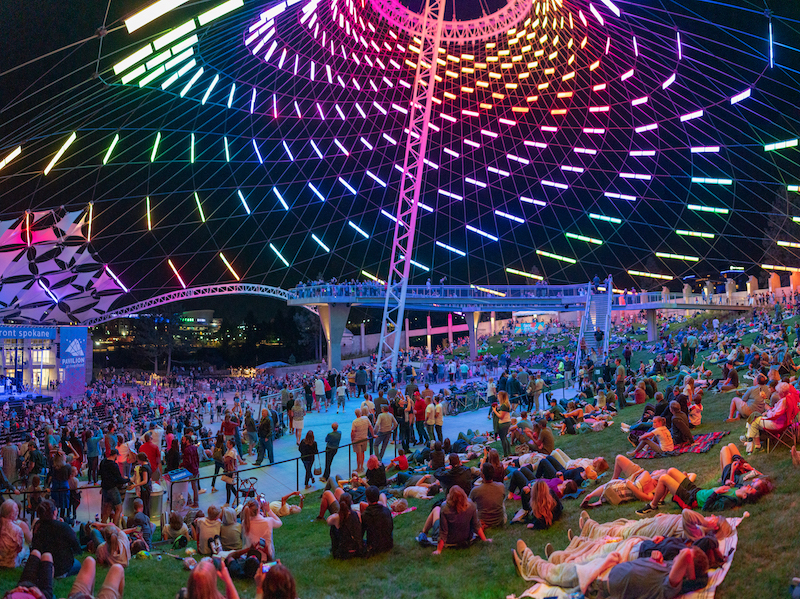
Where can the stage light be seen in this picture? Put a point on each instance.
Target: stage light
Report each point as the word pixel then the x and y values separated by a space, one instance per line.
pixel 279 255
pixel 316 191
pixel 151 13
pixel 788 244
pixel 191 148
pixel 511 217
pixel 154 152
pixel 781 145
pixel 288 151
pixel 219 11
pixel 677 257
pixel 230 95
pixel 209 90
pixel 147 212
pixel 608 219
pixel 532 201
pixel 554 184
pixel 705 150
pixel 199 207
pixel 258 154
pixel 14 153
pixel 619 196
pixel 229 265
pixel 593 240
pixel 670 80
pixel 358 229
pixel 73 136
pixel 342 148
pixel 475 182
pixel 191 82
pixel 636 176
pixel 709 181
pixel 742 96
pixel 320 242
pixel 281 200
pixel 556 257
pixel 376 179
pixel 451 249
pixel 699 208
pixel 692 115
pixel 227 152
pixel 244 202
pixel 686 233
pixel 483 233
pixel 449 194
pixel 650 275
pixel 645 128
pixel 348 186
pixel 116 278
pixel 527 275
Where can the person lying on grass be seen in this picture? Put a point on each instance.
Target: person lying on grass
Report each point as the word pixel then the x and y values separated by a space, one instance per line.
pixel 629 481
pixel 642 577
pixel 727 496
pixel 688 524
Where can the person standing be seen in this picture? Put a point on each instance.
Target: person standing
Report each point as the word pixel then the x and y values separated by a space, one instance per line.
pixel 438 415
pixel 265 428
pixel 360 432
pixel 385 426
pixel 298 414
pixel 619 379
pixel 191 461
pixel 93 454
pixel 319 391
pixel 332 440
pixel 308 449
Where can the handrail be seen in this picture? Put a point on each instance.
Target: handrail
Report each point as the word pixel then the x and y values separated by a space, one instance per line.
pixel 582 332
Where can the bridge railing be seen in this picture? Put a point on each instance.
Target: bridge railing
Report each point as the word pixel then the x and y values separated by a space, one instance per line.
pixel 375 290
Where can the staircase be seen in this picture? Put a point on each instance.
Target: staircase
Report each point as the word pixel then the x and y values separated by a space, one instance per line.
pixel 596 317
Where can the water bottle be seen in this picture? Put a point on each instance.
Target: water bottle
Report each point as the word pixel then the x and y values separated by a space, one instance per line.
pixel 97 517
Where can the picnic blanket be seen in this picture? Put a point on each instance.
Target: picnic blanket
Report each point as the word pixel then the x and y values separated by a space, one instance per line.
pixel 702 443
pixel 411 509
pixel 727 547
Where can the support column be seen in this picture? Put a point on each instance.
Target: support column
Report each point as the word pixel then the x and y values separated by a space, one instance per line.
pixel 774 282
pixel 29 360
pixel 665 294
pixel 428 333
pixel 752 284
pixel 450 328
pixel 652 325
pixel 709 292
pixel 687 292
pixel 730 287
pixel 493 319
pixel 794 280
pixel 407 336
pixel 333 318
pixel 363 340
pixel 473 318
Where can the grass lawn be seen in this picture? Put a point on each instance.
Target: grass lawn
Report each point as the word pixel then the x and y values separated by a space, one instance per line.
pixel 767 557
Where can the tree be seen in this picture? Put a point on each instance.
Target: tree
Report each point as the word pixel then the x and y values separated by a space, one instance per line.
pixel 308 330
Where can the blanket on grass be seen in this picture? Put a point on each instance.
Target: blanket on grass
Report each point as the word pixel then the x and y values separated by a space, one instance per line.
pixel 727 547
pixel 702 443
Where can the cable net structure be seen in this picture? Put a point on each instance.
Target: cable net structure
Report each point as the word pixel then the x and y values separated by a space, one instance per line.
pixel 207 143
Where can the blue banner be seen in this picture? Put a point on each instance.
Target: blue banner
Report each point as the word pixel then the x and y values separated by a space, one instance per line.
pixel 73 361
pixel 10 331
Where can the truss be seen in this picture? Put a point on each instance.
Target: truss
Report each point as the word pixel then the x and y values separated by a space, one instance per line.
pixel 419 116
pixel 460 32
pixel 193 292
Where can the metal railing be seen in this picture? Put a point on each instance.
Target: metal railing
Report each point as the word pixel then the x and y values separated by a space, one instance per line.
pixel 372 290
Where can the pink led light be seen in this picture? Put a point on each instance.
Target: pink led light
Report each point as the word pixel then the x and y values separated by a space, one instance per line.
pixel 627 75
pixel 639 101
pixel 447 117
pixel 692 115
pixel 508 122
pixel 594 131
pixel 488 133
pixel 532 201
pixel 572 169
pixel 321 114
pixel 583 18
pixel 644 128
pixel 637 176
pixel 535 144
pixel 585 151
pixel 599 87
pixel 474 144
pixel 599 108
pixel 670 80
pixel 469 113
pixel 549 129
pixel 554 184
pixel 596 14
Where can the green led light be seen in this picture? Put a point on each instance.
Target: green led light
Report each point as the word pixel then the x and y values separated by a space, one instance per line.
pixel 527 275
pixel 191 149
pixel 699 208
pixel 180 47
pixel 151 76
pixel 694 234
pixel 164 56
pixel 608 219
pixel 179 59
pixel 794 188
pixel 677 257
pixel 556 257
pixel 174 35
pixel 134 74
pixel 199 207
pixel 584 238
pixel 60 152
pixel 138 56
pixel 110 149
pixel 650 275
pixel 151 13
pixel 147 209
pixel 781 145
pixel 155 148
pixel 776 267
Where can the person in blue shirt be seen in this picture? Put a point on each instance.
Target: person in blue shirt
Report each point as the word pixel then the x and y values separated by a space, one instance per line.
pixel 93 453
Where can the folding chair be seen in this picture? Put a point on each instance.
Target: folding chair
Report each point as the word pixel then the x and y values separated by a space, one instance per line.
pixel 787 436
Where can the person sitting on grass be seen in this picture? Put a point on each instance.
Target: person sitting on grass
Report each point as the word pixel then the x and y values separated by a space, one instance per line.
pixel 696 410
pixel 56 538
pixel 206 531
pixel 230 533
pixel 112 545
pixel 142 522
pixel 544 505
pixel 12 535
pixel 346 532
pixel 377 523
pixel 680 431
pixel 258 522
pixel 202 583
pixel 753 400
pixel 437 456
pixel 489 497
pixel 400 463
pixel 176 528
pixel 276 583
pixel 663 438
pixel 455 524
pixel 579 470
pixel 376 472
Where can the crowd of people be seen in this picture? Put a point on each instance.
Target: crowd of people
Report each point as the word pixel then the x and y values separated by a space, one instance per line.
pixel 125 435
